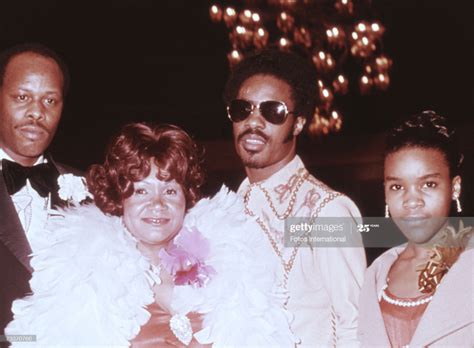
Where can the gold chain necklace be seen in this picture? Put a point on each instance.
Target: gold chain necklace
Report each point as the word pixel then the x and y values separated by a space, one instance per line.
pixel 287 265
pixel 292 202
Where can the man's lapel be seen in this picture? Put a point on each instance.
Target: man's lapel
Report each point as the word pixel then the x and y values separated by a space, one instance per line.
pixel 11 231
pixel 63 169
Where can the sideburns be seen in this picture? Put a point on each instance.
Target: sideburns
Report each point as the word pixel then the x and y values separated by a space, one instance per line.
pixel 290 136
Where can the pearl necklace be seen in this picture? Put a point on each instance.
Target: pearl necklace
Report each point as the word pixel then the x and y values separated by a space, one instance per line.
pixel 404 303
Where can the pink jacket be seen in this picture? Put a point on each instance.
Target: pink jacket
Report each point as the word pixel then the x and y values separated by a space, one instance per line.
pixel 448 320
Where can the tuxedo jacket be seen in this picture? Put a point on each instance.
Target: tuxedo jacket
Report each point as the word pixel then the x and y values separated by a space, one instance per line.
pixel 448 321
pixel 15 251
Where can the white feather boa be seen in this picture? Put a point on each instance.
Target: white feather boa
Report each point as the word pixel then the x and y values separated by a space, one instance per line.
pixel 90 286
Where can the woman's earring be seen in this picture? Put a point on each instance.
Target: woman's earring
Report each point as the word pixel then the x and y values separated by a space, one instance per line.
pixel 457 191
pixel 387 213
pixel 458 203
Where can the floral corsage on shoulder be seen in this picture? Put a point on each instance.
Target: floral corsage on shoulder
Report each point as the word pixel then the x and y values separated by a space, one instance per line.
pixel 73 189
pixel 185 258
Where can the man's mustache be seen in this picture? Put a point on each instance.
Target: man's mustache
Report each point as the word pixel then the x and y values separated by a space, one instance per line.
pixel 253 131
pixel 35 124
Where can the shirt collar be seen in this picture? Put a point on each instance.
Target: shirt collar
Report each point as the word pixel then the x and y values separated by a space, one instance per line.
pixel 4 155
pixel 281 176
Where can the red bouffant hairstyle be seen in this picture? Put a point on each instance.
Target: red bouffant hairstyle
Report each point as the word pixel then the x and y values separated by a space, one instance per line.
pixel 128 159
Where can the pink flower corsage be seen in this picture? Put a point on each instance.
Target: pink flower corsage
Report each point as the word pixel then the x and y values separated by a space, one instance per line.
pixel 184 258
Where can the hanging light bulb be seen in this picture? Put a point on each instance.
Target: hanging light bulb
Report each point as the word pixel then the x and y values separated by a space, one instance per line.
pixel 243 35
pixel 302 36
pixel 285 22
pixel 323 61
pixel 335 121
pixel 362 47
pixel 215 12
pixel 255 18
pixel 326 96
pixel 383 63
pixel 245 17
pixel 382 81
pixel 335 37
pixel 361 27
pixel 344 7
pixel 287 3
pixel 365 84
pixel 376 30
pixel 234 57
pixel 284 43
pixel 319 124
pixel 230 16
pixel 341 84
pixel 260 38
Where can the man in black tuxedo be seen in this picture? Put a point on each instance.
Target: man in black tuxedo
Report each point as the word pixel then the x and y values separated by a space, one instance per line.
pixel 33 84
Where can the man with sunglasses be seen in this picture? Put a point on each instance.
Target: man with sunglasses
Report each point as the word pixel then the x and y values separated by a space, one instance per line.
pixel 270 97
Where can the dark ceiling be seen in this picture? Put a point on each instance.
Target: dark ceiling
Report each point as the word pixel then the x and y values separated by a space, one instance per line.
pixel 134 60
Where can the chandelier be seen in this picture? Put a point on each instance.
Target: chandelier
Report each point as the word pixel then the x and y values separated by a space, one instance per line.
pixel 341 37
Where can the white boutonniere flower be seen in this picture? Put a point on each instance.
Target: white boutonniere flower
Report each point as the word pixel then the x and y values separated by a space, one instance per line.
pixel 73 188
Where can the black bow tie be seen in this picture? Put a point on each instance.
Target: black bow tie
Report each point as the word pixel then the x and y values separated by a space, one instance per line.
pixel 43 177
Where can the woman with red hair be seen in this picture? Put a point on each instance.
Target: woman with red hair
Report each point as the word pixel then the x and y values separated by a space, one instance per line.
pixel 148 265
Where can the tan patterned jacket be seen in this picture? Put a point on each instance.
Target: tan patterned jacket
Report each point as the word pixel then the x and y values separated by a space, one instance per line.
pixel 323 283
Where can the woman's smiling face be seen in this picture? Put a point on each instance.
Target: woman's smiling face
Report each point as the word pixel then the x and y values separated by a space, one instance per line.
pixel 154 213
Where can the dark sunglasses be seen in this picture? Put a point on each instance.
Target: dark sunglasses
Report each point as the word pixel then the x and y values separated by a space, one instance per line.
pixel 273 111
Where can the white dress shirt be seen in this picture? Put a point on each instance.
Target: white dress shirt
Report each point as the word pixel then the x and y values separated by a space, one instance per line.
pixel 32 209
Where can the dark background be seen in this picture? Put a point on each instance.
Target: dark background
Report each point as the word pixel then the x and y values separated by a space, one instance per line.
pixel 149 60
